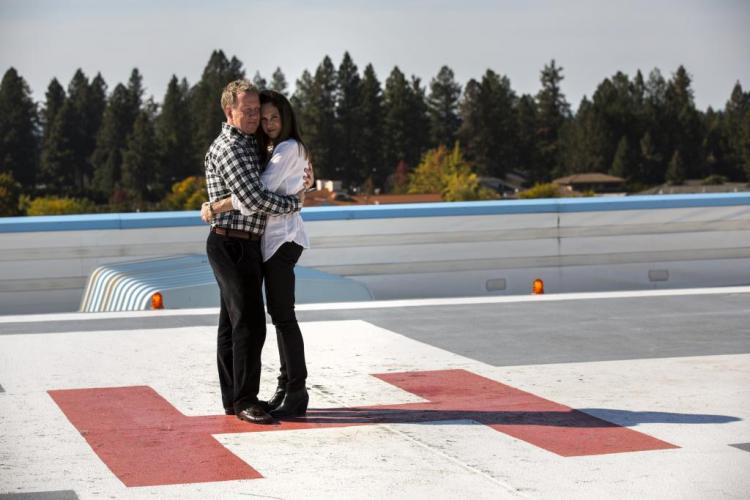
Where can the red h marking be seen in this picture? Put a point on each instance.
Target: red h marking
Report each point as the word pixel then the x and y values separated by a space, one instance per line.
pixel 145 441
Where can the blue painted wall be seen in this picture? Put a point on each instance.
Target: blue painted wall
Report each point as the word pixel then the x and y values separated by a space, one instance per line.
pixel 553 205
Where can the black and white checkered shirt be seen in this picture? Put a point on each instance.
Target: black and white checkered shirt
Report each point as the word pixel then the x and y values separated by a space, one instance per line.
pixel 232 166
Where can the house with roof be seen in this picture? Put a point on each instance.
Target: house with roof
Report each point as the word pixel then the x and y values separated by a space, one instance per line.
pixel 592 181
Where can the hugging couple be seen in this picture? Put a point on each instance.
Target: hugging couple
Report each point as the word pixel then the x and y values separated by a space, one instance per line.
pixel 257 171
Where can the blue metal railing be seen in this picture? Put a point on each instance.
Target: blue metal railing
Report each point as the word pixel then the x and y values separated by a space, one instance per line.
pixel 553 205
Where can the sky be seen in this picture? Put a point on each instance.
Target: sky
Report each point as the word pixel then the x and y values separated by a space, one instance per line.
pixel 590 39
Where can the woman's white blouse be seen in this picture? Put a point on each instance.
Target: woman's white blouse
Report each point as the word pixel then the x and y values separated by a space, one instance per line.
pixel 283 175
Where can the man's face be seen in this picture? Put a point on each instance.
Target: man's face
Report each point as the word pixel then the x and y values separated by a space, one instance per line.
pixel 245 114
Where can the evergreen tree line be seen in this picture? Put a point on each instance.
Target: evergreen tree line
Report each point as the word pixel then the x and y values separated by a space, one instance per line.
pixel 119 148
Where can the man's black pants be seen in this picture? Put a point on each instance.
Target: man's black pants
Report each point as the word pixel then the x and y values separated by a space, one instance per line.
pixel 279 275
pixel 237 266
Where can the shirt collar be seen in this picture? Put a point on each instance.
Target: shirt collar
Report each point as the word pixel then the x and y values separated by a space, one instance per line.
pixel 233 131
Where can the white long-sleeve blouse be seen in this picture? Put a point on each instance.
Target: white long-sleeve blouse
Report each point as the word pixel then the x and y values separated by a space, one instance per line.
pixel 283 175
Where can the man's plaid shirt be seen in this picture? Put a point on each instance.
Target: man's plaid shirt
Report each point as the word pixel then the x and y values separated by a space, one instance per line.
pixel 232 166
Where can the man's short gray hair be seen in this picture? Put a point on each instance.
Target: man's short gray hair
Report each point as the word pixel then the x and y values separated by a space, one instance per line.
pixel 233 89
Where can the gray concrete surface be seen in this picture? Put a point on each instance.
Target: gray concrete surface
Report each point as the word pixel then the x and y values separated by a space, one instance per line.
pixel 521 333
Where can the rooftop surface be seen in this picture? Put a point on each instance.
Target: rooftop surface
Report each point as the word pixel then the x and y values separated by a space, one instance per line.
pixel 599 395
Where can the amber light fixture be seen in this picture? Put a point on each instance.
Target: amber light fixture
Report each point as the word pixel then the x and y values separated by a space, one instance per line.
pixel 157 301
pixel 538 287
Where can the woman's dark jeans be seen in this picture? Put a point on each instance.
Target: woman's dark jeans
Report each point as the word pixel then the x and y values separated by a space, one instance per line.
pixel 278 272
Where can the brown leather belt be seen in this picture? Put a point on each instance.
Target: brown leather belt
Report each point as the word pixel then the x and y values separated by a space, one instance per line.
pixel 234 233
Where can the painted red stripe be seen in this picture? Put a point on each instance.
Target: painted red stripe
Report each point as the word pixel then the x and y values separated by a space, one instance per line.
pixel 538 421
pixel 145 441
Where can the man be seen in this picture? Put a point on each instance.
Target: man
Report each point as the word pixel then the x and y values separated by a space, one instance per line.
pixel 233 248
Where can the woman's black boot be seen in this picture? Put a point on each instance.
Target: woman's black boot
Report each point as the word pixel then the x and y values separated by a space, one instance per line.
pixel 276 399
pixel 293 405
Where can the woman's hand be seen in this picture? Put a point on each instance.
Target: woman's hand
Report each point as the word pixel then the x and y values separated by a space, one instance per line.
pixel 309 177
pixel 301 196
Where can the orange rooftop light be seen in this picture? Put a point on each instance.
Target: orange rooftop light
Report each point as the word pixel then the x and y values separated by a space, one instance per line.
pixel 157 301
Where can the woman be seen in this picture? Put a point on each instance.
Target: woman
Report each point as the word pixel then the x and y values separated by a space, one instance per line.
pixel 285 157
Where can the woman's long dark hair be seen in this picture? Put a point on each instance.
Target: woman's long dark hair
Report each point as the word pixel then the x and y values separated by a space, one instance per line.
pixel 289 125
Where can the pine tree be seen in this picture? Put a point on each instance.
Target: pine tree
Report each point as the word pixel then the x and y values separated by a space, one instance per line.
pixel 650 170
pixel 499 104
pixel 93 113
pixel 259 81
pixel 746 144
pixel 405 120
pixel 55 98
pixel 639 92
pixel 205 101
pixel 618 111
pixel 527 148
pixel 420 120
pixel 302 101
pixel 490 136
pixel 18 129
pixel 584 142
pixel 371 133
pixel 658 125
pixel 278 82
pixel 173 136
pixel 443 108
pixel 315 102
pixel 396 118
pixel 348 122
pixel 684 124
pixel 111 141
pixel 624 164
pixel 118 121
pixel 135 93
pixel 58 171
pixel 714 146
pixel 554 110
pixel 734 134
pixel 77 131
pixel 676 170
pixel 140 158
pixel 470 109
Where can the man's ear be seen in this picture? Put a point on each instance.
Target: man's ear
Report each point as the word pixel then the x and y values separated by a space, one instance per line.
pixel 227 112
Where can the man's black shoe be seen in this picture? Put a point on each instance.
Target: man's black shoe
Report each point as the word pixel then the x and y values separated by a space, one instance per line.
pixel 293 405
pixel 255 415
pixel 276 399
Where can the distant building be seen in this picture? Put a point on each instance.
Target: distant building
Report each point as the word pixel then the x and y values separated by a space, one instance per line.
pixel 697 187
pixel 507 188
pixel 327 198
pixel 328 185
pixel 592 181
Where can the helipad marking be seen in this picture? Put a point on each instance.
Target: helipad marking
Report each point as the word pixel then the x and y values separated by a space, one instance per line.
pixel 145 441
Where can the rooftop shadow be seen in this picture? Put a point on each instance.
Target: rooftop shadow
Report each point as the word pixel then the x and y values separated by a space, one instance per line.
pixel 587 417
